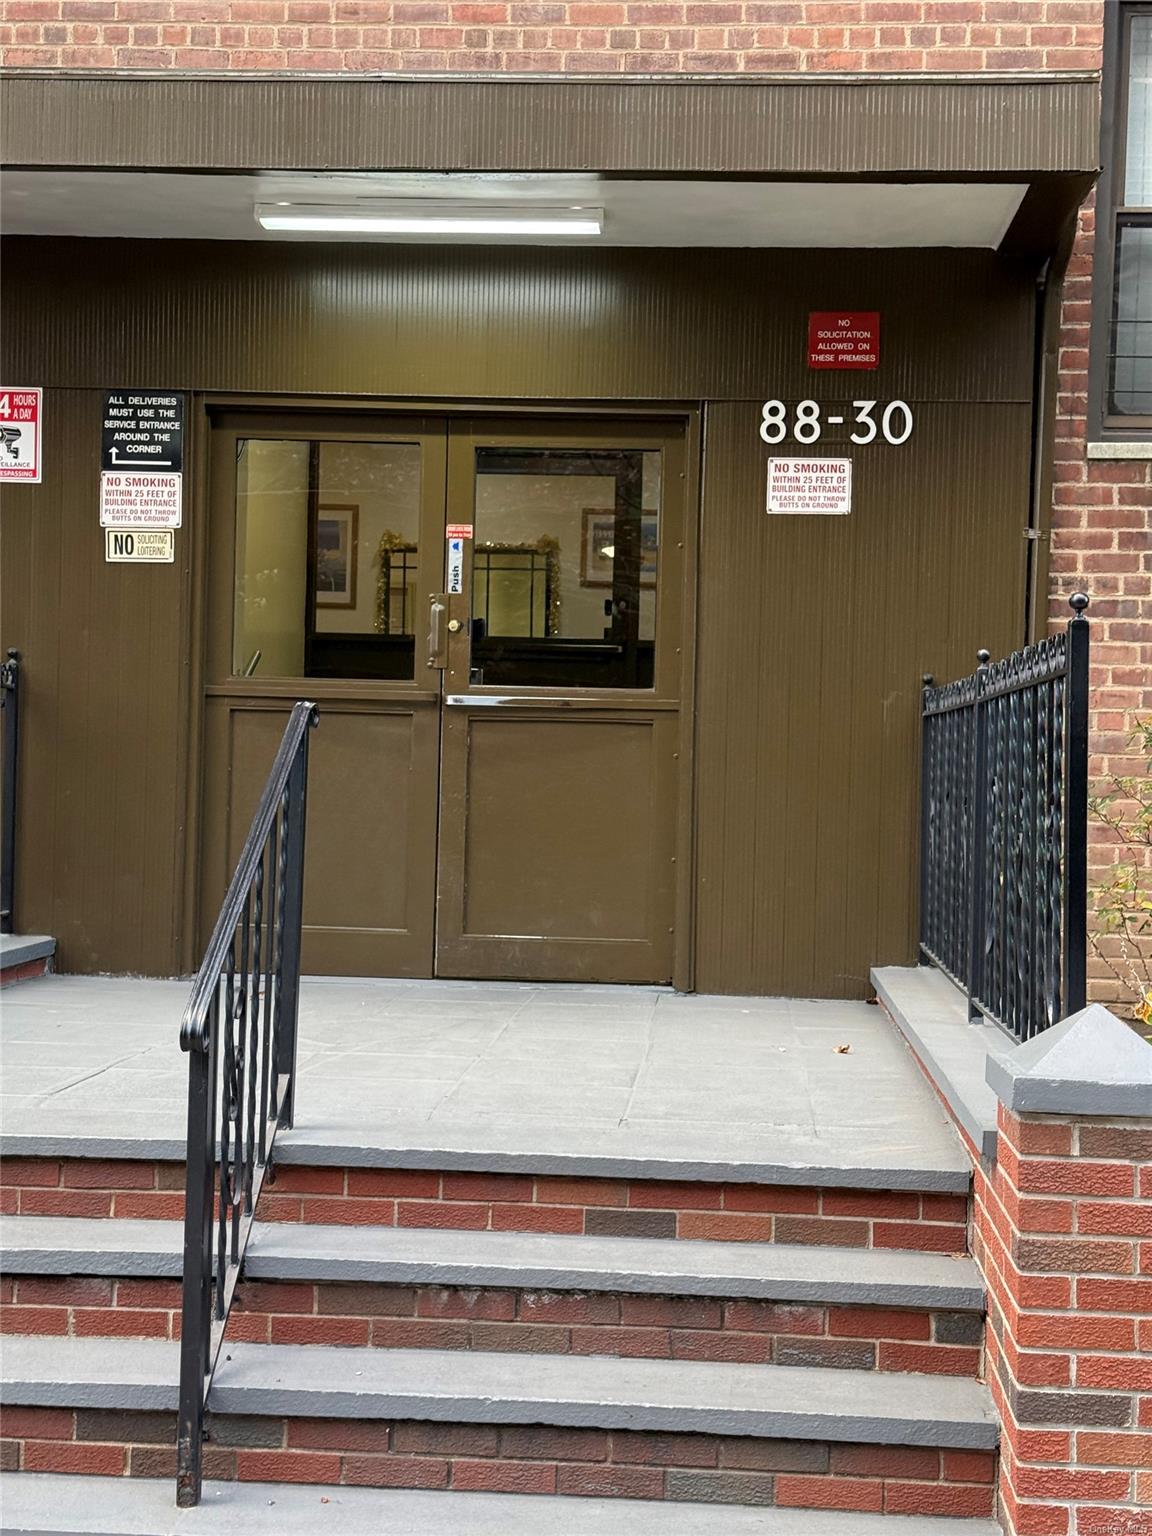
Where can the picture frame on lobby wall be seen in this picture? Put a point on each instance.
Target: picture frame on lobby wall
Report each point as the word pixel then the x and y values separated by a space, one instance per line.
pixel 337 531
pixel 597 547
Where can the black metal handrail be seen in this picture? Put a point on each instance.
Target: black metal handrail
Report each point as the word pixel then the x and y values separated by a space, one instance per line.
pixel 239 1030
pixel 1004 831
pixel 10 702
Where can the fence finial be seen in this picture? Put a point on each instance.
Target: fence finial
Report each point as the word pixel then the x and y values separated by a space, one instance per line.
pixel 983 657
pixel 1078 602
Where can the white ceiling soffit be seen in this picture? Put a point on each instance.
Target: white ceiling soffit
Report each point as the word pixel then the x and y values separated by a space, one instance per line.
pixel 159 206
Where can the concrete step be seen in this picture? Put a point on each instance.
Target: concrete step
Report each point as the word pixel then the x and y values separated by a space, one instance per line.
pixel 24 956
pixel 36 1505
pixel 677 1396
pixel 34 1245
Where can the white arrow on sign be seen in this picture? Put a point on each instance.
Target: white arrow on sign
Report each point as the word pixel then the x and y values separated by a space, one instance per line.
pixel 138 463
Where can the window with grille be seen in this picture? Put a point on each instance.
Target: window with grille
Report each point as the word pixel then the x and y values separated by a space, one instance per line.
pixel 1122 310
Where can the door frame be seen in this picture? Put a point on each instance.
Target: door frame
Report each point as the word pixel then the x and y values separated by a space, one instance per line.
pixel 204 405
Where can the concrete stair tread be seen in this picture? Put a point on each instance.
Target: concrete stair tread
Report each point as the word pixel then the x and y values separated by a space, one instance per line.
pixel 685 1396
pixel 36 1504
pixel 22 948
pixel 425 1256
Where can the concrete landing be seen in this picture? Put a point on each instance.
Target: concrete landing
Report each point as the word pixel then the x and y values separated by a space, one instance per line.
pixel 37 1504
pixel 614 1081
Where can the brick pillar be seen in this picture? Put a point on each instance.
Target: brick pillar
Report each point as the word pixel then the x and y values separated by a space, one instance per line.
pixel 1063 1234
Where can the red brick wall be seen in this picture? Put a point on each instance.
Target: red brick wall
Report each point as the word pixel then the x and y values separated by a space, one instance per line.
pixel 1063 1234
pixel 592 36
pixel 1102 544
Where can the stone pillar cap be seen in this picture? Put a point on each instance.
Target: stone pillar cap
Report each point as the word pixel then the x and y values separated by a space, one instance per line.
pixel 1091 1063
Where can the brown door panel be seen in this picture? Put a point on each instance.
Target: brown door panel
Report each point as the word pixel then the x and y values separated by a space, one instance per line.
pixel 369 888
pixel 557 845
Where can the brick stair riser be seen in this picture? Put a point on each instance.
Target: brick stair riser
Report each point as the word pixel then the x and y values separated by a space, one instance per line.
pixel 907 1480
pixel 28 970
pixel 510 1203
pixel 548 1322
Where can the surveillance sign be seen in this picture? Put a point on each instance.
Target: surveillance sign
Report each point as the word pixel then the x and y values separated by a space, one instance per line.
pixel 21 411
pixel 142 459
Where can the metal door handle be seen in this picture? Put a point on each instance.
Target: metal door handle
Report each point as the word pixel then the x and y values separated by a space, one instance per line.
pixel 515 700
pixel 435 632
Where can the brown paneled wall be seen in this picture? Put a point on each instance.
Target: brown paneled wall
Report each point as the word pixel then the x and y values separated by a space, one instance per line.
pixel 104 661
pixel 812 632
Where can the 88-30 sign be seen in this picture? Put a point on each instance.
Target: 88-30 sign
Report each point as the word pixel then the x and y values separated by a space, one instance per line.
pixel 807 424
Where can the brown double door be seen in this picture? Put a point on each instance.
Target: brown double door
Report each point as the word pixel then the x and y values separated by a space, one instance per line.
pixel 490 615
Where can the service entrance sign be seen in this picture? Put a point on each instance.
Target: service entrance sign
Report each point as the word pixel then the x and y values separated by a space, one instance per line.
pixel 142 459
pixel 142 431
pixel 20 416
pixel 810 485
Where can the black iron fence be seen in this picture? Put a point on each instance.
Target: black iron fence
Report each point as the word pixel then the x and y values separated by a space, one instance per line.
pixel 1004 831
pixel 10 700
pixel 239 1030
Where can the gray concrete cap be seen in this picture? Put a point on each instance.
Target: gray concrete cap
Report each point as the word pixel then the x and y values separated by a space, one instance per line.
pixel 1091 1063
pixel 932 1015
pixel 602 1392
pixel 37 1504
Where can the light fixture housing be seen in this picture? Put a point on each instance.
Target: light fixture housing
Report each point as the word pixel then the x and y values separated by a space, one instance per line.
pixel 428 220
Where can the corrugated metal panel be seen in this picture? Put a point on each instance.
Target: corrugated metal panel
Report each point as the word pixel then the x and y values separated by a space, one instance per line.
pixel 813 631
pixel 761 128
pixel 491 323
pixel 103 715
pixel 813 636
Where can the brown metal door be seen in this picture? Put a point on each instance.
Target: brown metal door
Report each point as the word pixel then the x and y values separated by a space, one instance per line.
pixel 561 719
pixel 326 541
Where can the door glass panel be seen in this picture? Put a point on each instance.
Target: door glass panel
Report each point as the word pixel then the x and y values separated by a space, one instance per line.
pixel 326 545
pixel 565 567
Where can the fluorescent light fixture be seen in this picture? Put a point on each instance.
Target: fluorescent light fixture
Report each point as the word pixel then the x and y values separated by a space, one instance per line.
pixel 455 219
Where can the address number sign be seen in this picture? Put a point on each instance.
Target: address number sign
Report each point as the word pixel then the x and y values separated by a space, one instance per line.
pixel 807 422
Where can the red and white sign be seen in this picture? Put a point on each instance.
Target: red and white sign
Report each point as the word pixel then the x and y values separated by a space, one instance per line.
pixel 843 339
pixel 810 485
pixel 21 411
pixel 129 500
pixel 459 531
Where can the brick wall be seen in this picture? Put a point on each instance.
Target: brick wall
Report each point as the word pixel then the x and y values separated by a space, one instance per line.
pixel 1063 1234
pixel 593 36
pixel 1102 544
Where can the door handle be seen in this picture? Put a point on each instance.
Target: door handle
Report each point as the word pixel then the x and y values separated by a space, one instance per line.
pixel 436 632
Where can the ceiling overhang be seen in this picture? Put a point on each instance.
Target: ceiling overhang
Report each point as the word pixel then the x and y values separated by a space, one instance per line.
pixel 1039 132
pixel 708 212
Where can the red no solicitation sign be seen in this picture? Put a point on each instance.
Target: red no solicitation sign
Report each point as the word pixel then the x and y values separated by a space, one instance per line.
pixel 843 339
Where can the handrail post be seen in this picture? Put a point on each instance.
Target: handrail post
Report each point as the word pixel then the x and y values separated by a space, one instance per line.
pixel 1076 811
pixel 196 1321
pixel 10 687
pixel 926 682
pixel 241 1075
pixel 977 871
pixel 288 1014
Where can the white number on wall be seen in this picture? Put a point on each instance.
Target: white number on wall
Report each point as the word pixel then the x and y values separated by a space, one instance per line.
pixel 774 426
pixel 895 424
